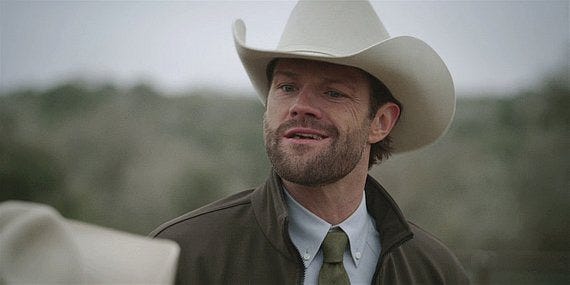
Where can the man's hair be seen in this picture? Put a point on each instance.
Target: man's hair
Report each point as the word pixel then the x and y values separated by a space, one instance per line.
pixel 379 95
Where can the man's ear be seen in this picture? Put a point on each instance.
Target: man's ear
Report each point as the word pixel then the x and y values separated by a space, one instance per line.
pixel 385 119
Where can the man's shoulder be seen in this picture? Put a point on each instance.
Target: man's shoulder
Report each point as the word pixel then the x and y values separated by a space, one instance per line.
pixel 215 212
pixel 426 242
pixel 435 258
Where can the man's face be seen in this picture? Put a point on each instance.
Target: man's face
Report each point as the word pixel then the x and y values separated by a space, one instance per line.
pixel 317 122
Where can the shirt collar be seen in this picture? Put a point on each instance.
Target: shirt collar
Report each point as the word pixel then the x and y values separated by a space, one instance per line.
pixel 356 228
pixel 308 231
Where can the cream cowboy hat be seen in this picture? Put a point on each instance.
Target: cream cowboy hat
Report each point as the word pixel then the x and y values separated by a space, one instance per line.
pixel 39 246
pixel 350 33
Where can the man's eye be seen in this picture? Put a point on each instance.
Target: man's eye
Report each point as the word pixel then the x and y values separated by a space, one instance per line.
pixel 334 94
pixel 287 88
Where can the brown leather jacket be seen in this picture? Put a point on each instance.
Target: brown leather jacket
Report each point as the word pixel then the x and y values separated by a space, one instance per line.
pixel 243 239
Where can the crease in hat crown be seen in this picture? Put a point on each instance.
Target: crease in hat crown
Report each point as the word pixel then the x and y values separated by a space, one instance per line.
pixel 350 33
pixel 354 20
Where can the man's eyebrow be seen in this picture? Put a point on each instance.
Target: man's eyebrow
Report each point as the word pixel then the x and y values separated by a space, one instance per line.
pixel 286 73
pixel 348 82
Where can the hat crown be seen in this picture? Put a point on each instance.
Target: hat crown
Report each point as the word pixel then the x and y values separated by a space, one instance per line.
pixel 335 28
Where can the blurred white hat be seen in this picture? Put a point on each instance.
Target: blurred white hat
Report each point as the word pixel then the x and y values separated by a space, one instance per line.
pixel 39 246
pixel 350 33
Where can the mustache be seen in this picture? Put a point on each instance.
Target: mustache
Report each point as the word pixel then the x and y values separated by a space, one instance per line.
pixel 307 122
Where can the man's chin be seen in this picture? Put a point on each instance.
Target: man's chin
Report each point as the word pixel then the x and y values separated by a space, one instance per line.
pixel 305 178
pixel 303 169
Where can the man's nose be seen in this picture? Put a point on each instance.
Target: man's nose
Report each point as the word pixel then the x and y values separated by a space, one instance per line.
pixel 305 105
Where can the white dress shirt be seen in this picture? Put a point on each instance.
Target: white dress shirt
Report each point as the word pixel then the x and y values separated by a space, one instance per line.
pixel 308 231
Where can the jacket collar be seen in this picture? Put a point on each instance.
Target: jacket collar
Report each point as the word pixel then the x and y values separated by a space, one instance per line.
pixel 390 222
pixel 270 210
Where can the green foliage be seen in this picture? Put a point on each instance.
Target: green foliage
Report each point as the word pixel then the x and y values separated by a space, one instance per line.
pixel 128 159
pixel 18 162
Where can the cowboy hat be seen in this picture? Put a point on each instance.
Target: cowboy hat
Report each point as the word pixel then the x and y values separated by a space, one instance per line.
pixel 350 33
pixel 39 246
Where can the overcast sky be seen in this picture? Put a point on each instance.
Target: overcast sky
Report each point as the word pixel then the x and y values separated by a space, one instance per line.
pixel 496 47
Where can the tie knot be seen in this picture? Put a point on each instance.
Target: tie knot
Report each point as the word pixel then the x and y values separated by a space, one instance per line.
pixel 334 245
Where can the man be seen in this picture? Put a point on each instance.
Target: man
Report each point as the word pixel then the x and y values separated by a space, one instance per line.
pixel 340 94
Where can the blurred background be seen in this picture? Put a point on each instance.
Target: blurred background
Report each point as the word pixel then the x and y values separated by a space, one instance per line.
pixel 128 114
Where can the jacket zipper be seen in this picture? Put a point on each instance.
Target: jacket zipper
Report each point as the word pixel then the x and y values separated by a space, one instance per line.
pixel 289 242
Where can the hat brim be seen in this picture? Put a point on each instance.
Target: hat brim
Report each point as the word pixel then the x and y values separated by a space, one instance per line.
pixel 413 72
pixel 38 245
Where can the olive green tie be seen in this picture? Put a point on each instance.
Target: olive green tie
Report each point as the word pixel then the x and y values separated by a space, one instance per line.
pixel 332 271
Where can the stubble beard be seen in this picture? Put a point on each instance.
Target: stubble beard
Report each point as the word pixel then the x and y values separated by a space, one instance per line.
pixel 327 166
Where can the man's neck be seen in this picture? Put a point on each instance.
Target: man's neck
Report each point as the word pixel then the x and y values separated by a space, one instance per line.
pixel 333 202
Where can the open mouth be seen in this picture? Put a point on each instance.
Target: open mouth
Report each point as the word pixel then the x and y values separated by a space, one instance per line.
pixel 305 134
pixel 306 137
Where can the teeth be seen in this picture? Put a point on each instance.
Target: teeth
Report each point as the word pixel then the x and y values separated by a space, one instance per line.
pixel 307 136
